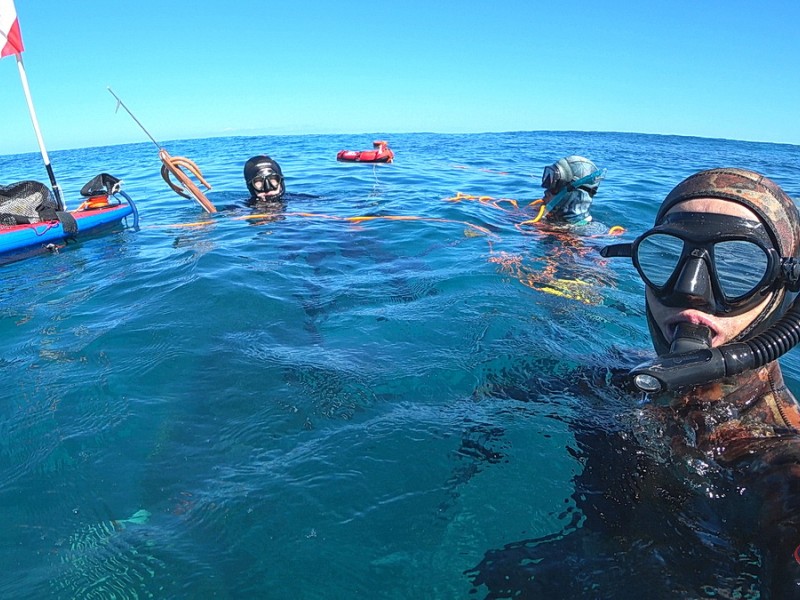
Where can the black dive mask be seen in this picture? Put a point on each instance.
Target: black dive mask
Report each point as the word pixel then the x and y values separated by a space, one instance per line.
pixel 266 181
pixel 551 178
pixel 719 264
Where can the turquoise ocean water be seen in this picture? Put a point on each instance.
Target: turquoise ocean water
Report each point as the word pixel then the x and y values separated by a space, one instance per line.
pixel 294 406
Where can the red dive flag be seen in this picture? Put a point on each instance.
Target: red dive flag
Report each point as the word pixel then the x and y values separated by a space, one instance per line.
pixel 11 43
pixel 10 36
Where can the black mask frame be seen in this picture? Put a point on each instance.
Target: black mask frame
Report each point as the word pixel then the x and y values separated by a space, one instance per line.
pixel 700 232
pixel 265 178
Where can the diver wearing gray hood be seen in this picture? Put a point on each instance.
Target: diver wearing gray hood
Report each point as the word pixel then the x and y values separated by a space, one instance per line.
pixel 570 185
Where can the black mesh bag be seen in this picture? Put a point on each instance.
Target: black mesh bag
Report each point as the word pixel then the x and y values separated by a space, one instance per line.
pixel 26 202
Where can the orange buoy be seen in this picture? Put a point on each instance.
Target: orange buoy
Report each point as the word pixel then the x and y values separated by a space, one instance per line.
pixel 380 153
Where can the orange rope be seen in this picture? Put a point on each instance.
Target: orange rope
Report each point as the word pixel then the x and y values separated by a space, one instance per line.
pixel 484 200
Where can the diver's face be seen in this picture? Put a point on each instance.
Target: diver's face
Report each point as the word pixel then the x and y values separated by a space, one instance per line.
pixel 723 328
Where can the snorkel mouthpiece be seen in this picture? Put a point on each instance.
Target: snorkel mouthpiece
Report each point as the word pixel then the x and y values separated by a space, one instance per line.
pixel 689 336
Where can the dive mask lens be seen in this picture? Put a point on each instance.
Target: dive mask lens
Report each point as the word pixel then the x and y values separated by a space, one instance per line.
pixel 550 177
pixel 740 267
pixel 658 255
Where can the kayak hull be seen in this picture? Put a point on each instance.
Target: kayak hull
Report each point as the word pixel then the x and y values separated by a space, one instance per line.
pixel 20 241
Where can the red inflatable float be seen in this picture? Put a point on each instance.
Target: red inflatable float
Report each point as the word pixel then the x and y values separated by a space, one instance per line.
pixel 380 153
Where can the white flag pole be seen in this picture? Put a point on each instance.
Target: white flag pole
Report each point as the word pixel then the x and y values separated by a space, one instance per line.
pixel 24 78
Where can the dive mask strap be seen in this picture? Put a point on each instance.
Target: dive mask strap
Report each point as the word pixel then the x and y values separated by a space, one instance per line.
pixel 556 200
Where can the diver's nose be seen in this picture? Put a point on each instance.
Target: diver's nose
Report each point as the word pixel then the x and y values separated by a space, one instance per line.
pixel 693 286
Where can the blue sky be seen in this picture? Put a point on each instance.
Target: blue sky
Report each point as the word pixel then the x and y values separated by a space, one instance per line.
pixel 189 69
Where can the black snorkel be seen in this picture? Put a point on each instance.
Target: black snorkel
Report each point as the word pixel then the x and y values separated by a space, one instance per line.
pixel 680 368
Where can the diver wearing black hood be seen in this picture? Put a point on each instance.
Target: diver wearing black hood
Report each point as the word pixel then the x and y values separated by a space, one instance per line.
pixel 264 180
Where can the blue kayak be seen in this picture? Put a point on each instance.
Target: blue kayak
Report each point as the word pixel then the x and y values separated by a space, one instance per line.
pixel 21 241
